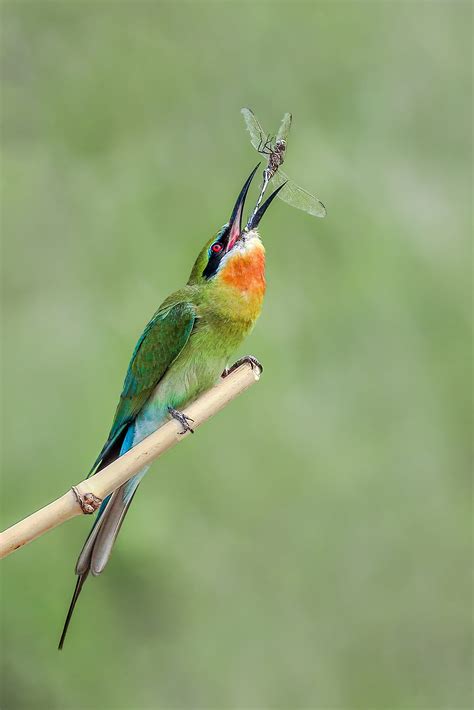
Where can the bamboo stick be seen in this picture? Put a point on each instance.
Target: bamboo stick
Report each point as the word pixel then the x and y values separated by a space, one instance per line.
pixel 118 472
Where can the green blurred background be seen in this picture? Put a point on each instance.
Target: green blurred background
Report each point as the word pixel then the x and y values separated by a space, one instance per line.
pixel 309 547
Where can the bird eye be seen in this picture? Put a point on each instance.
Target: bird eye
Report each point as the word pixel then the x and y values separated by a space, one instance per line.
pixel 216 248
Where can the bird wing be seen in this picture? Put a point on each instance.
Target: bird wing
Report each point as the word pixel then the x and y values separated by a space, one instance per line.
pixel 159 345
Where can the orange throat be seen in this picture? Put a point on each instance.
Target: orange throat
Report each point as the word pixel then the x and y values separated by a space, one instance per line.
pixel 245 273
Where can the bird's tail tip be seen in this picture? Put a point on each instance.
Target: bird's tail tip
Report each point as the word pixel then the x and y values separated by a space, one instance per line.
pixel 77 590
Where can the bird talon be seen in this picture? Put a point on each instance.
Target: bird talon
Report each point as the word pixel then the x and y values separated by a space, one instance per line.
pixel 88 502
pixel 250 359
pixel 183 419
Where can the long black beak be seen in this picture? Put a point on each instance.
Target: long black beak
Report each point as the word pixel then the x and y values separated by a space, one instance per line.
pixel 235 222
pixel 255 218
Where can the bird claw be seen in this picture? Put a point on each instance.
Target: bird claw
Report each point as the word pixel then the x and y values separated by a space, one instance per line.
pixel 88 502
pixel 182 419
pixel 250 359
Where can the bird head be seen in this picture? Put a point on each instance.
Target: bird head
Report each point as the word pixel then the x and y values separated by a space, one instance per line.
pixel 233 250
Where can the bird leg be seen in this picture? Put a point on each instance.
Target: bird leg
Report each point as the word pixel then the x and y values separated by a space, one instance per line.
pixel 250 359
pixel 88 502
pixel 182 419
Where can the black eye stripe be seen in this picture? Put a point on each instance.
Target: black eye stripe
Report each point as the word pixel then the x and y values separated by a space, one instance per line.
pixel 215 256
pixel 215 252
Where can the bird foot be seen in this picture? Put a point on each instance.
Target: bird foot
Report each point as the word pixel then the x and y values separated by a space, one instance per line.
pixel 88 502
pixel 250 359
pixel 182 419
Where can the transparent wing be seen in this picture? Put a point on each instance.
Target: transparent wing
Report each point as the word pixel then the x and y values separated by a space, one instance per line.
pixel 297 197
pixel 257 134
pixel 284 129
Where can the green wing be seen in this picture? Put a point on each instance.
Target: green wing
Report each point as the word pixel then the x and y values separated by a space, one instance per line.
pixel 159 345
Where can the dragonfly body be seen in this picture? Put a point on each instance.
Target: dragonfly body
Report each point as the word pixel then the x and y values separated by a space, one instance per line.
pixel 275 155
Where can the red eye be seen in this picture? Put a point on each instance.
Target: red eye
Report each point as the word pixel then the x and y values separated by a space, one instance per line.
pixel 216 248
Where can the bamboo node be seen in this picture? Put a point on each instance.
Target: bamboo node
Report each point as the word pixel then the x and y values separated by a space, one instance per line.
pixel 88 502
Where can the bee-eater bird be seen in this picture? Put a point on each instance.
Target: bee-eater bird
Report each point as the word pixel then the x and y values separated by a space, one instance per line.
pixel 182 352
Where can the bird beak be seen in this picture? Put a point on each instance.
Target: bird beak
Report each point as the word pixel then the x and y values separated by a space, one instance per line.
pixel 255 218
pixel 235 222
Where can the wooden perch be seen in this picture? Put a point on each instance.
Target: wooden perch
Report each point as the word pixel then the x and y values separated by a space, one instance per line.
pixel 87 495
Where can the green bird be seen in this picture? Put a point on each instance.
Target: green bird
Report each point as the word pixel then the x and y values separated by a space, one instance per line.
pixel 182 352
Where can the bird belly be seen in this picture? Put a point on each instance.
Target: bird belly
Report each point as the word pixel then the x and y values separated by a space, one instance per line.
pixel 189 376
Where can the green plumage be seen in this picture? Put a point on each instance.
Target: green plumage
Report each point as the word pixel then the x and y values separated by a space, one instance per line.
pixel 160 343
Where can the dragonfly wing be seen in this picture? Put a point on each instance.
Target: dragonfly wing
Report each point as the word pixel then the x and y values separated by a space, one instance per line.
pixel 284 129
pixel 297 197
pixel 257 134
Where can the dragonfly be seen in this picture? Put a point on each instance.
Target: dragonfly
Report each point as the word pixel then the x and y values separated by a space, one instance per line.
pixel 274 150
